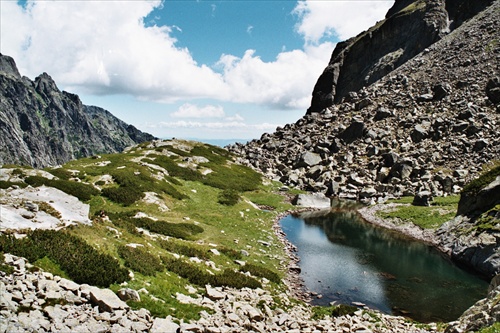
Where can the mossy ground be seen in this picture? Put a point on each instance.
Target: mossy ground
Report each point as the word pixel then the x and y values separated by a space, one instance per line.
pixel 192 198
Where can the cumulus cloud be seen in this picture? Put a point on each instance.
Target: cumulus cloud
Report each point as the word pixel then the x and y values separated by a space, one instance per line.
pixel 188 110
pixel 88 50
pixel 228 128
pixel 343 19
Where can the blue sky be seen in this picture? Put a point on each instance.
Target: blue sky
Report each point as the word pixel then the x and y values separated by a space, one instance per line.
pixel 186 69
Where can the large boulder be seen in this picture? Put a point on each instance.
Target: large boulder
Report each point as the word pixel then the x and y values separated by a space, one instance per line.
pixel 312 200
pixel 475 203
pixel 107 300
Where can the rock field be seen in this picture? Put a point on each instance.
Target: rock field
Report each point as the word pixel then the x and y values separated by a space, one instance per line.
pixel 36 301
pixel 429 125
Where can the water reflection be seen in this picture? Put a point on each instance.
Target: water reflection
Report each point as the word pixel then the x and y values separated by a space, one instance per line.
pixel 348 260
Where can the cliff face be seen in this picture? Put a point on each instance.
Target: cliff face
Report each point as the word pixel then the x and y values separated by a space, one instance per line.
pixel 410 26
pixel 41 125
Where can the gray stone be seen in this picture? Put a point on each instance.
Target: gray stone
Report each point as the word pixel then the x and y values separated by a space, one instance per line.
pixel 213 293
pixel 106 299
pixel 356 130
pixel 441 90
pixel 485 199
pixel 164 325
pixel 382 113
pixel 126 294
pixel 69 285
pixel 422 198
pixel 308 159
pixel 313 200
pixel 419 133
pixel 493 90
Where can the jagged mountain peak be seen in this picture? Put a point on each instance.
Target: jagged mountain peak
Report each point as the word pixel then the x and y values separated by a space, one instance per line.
pixel 409 28
pixel 41 125
pixel 8 66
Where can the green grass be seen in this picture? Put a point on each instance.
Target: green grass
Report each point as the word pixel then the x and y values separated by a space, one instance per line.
pixel 50 266
pixel 442 209
pixel 478 184
pixel 319 312
pixel 495 328
pixel 488 220
pixel 195 223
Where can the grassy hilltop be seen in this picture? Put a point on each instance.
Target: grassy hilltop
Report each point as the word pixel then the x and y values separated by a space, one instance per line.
pixel 176 214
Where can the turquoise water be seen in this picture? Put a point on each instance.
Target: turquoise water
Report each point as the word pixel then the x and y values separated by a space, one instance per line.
pixel 347 260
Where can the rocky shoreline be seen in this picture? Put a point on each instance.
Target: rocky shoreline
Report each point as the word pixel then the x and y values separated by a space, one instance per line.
pixel 369 214
pixel 37 301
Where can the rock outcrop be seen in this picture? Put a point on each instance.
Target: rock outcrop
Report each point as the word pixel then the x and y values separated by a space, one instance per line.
pixel 42 126
pixel 409 27
pixel 472 238
pixel 429 125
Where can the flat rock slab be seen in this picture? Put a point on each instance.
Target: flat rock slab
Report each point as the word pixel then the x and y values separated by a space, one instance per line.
pixel 106 299
pixel 313 200
pixel 164 325
pixel 70 208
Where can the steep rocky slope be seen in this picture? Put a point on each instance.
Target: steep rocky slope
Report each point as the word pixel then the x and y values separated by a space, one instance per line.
pixel 409 27
pixel 431 124
pixel 41 125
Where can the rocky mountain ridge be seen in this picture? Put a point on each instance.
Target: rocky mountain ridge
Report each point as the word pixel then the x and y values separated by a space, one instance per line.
pixel 429 125
pixel 408 28
pixel 42 126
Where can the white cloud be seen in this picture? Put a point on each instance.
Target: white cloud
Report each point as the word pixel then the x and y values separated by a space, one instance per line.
pixel 235 125
pixel 88 50
pixel 249 29
pixel 343 19
pixel 221 129
pixel 188 110
pixel 236 117
pixel 286 82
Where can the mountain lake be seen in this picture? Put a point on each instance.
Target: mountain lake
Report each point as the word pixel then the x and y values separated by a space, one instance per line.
pixel 346 259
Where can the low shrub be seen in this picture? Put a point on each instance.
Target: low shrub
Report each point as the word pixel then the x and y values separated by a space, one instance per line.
pixel 231 253
pixel 201 277
pixel 60 173
pixel 79 260
pixel 7 269
pixel 47 208
pixel 260 271
pixel 174 170
pixel 82 191
pixel 235 177
pixel 139 260
pixel 178 230
pixel 4 184
pixel 125 195
pixel 188 251
pixel 237 280
pixel 343 310
pixel 228 197
pixel 188 271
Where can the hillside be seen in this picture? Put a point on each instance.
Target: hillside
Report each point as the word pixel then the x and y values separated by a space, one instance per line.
pixel 42 126
pixel 177 230
pixel 429 125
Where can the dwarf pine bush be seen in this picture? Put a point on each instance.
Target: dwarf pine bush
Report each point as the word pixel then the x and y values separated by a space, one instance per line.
pixel 139 260
pixel 78 259
pixel 82 191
